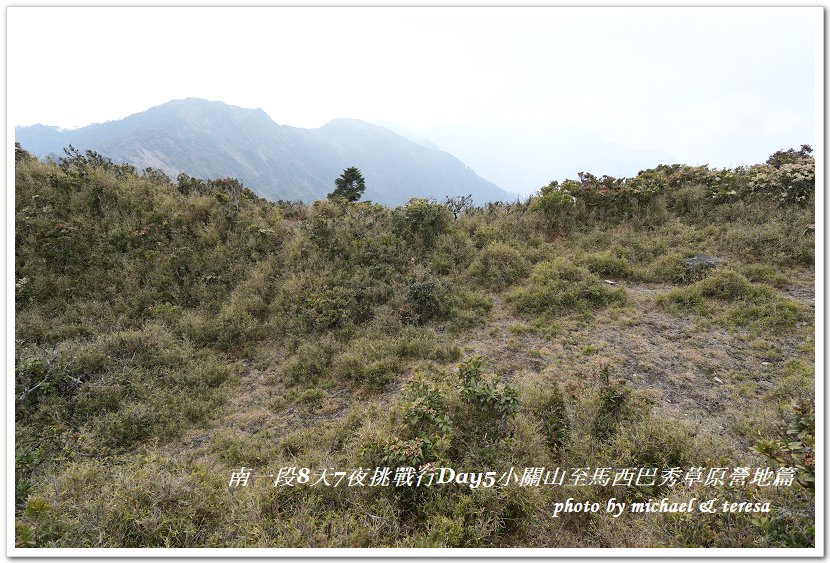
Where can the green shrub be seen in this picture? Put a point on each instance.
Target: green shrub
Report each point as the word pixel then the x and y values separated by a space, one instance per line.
pixel 420 223
pixel 310 361
pixel 492 400
pixel 724 285
pixel 558 287
pixel 234 328
pixel 453 252
pixel 788 181
pixel 724 185
pixel 795 447
pixel 368 361
pixel 668 268
pixel 614 404
pixel 130 424
pixel 121 388
pixel 148 503
pixel 468 308
pixel 690 201
pixel 498 266
pixel 311 397
pixel 649 441
pixel 727 285
pixel 427 296
pixel 681 300
pixel 776 315
pixel 424 418
pixel 423 343
pixel 557 205
pixel 606 264
pixel 326 308
pixel 545 402
pixel 449 420
pixel 764 273
pixel 742 302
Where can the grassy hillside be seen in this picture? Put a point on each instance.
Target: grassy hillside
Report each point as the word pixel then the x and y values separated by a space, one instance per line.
pixel 169 332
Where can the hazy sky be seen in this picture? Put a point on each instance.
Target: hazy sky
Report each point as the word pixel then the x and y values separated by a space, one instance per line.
pixel 719 86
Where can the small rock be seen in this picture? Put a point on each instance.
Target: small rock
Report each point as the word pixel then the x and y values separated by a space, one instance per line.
pixel 698 266
pixel 718 380
pixel 702 260
pixel 764 364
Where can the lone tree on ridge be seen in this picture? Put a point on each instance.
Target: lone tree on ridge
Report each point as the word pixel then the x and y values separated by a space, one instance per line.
pixel 350 185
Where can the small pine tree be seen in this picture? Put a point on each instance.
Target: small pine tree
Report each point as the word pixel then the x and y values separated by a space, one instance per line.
pixel 350 185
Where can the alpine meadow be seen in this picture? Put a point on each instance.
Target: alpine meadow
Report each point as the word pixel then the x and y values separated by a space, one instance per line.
pixel 196 366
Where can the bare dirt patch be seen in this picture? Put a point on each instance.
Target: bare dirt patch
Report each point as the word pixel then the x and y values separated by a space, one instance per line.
pixel 689 369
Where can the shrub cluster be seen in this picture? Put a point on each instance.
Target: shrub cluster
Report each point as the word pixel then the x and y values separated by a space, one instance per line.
pixel 143 302
pixel 450 419
pixel 787 178
pixel 734 300
pixel 557 287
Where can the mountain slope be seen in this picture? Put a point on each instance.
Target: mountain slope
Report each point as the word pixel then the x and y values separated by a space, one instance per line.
pixel 212 139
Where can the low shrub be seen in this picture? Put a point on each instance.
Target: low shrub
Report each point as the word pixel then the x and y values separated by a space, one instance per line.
pixel 367 361
pixel 449 419
pixel 776 315
pixel 741 302
pixel 558 287
pixel 609 265
pixel 668 268
pixel 766 274
pixel 454 250
pixel 498 266
pixel 728 285
pixel 427 296
pixel 491 402
pixel 420 223
pixel 795 446
pixel 468 309
pixel 614 404
pixel 557 205
pixel 544 401
pixel 310 361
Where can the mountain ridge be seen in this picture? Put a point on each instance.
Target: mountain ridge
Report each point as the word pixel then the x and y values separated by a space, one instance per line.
pixel 212 139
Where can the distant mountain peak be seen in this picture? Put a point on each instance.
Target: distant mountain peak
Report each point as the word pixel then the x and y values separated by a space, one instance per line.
pixel 212 139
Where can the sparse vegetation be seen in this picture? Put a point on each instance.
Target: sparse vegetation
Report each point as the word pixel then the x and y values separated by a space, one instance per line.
pixel 170 331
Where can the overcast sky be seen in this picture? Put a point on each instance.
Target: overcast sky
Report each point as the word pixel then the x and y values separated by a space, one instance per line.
pixel 718 86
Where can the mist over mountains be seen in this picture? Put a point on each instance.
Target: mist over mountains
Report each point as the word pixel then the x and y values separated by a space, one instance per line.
pixel 212 140
pixel 524 156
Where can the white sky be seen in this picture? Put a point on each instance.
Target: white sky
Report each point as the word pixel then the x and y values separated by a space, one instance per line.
pixel 703 85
